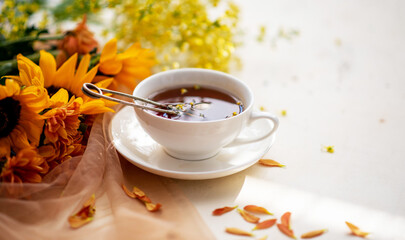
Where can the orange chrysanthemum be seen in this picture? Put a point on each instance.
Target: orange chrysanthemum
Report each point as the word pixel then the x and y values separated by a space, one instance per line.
pixel 20 123
pixel 26 166
pixel 129 67
pixel 62 120
pixel 80 41
pixel 59 152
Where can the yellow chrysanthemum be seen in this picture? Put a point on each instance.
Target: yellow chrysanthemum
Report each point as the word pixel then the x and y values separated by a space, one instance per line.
pixel 67 77
pixel 26 166
pixel 20 123
pixel 127 68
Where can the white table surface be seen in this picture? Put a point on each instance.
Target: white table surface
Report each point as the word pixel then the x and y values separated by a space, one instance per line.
pixel 342 83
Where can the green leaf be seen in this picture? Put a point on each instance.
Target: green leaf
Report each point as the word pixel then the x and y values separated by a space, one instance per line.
pixel 3 81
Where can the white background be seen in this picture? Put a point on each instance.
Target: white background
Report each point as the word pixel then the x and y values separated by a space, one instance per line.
pixel 342 83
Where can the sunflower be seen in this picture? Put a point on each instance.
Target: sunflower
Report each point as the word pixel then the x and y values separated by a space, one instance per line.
pixel 67 77
pixel 26 166
pixel 127 68
pixel 20 123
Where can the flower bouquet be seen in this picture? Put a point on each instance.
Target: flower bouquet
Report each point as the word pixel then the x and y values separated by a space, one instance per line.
pixel 45 119
pixel 54 148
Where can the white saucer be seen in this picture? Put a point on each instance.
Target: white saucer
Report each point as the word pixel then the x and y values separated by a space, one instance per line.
pixel 141 150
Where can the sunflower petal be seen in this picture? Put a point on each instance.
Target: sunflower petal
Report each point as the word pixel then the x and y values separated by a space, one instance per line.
pixel 76 87
pixel 15 79
pixel 83 66
pixel 30 73
pixel 132 50
pixel 36 98
pixel 47 64
pixel 94 107
pixel 79 100
pixel 109 50
pixel 110 66
pixel 62 96
pixel 64 75
pixel 104 83
pixel 11 88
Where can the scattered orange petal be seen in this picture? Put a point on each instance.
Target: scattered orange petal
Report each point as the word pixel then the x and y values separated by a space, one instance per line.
pixel 152 207
pixel 84 215
pixel 220 211
pixel 315 233
pixel 238 231
pixel 265 224
pixel 248 217
pixel 138 192
pixel 356 231
pixel 270 163
pixel 263 238
pixel 130 194
pixel 144 199
pixel 141 196
pixel 256 209
pixel 284 229
pixel 285 219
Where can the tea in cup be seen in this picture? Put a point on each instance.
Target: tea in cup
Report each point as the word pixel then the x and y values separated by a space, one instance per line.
pixel 212 109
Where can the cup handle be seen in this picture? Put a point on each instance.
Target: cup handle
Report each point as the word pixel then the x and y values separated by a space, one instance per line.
pixel 253 117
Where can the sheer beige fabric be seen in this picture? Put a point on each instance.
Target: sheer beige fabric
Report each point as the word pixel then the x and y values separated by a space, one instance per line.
pixel 40 211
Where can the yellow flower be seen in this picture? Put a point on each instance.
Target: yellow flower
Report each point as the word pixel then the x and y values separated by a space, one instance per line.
pixel 283 113
pixel 20 123
pixel 62 140
pixel 129 67
pixel 67 77
pixel 26 166
pixel 330 149
pixel 182 33
pixel 62 120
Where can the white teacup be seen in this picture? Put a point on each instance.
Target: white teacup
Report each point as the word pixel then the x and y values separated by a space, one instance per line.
pixel 197 140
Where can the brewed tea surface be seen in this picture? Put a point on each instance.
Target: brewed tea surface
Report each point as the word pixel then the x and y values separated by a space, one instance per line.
pixel 199 103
